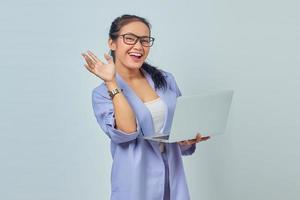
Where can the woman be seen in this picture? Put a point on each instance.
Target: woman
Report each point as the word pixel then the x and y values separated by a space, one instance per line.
pixel 136 100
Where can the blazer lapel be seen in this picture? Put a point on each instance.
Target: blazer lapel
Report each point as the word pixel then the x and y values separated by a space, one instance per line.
pixel 143 115
pixel 167 99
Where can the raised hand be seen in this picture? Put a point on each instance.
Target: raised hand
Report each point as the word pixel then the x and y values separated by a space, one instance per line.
pixel 104 71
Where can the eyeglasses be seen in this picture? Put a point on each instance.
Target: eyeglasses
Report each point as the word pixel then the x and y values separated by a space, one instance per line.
pixel 132 39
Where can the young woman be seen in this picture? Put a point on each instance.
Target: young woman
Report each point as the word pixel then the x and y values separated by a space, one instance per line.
pixel 136 100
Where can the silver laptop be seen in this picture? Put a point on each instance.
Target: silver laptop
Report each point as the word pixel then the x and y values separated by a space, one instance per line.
pixel 205 113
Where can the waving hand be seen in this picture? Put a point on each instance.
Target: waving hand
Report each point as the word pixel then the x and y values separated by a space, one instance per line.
pixel 104 71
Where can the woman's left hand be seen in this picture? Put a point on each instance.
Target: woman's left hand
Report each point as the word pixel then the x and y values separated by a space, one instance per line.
pixel 198 139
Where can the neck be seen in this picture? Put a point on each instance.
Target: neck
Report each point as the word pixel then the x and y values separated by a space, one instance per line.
pixel 128 74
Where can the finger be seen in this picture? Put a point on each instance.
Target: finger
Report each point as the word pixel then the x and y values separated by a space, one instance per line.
pixel 88 68
pixel 108 58
pixel 88 59
pixel 198 135
pixel 205 138
pixel 192 140
pixel 94 57
pixel 198 140
pixel 91 69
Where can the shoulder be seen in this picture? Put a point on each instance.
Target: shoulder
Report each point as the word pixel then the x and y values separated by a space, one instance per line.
pixel 171 82
pixel 169 77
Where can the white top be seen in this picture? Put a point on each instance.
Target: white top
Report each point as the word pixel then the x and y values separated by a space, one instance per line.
pixel 158 110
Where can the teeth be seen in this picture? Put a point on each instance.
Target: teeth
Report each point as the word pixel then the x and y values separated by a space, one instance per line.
pixel 135 54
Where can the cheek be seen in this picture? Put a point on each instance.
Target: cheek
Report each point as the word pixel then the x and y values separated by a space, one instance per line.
pixel 121 52
pixel 147 52
pixel 121 49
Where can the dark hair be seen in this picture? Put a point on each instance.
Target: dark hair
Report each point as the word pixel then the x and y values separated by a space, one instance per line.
pixel 156 75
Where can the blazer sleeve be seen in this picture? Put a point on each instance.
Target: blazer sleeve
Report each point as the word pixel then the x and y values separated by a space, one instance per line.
pixel 185 149
pixel 104 113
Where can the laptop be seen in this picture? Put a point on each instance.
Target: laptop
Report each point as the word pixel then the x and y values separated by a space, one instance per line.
pixel 205 113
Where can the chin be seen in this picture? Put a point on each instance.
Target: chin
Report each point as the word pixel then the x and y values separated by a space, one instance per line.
pixel 134 65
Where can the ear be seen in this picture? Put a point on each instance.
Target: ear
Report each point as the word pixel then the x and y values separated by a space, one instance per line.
pixel 111 44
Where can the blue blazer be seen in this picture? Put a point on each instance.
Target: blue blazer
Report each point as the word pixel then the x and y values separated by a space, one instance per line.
pixel 138 169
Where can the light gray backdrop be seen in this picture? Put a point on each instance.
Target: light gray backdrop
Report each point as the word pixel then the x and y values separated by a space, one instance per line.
pixel 51 146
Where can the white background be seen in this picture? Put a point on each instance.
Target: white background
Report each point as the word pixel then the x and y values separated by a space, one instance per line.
pixel 51 146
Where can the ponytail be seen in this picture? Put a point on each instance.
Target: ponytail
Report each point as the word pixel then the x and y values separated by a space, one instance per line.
pixel 156 75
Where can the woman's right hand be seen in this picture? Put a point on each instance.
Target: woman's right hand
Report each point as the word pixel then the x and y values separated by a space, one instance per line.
pixel 104 71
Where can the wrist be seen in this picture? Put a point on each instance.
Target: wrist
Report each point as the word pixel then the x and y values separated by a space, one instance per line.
pixel 111 84
pixel 114 92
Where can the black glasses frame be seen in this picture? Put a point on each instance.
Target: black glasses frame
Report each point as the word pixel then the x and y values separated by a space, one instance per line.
pixel 138 38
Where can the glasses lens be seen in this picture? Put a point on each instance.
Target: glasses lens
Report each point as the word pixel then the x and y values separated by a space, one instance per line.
pixel 130 39
pixel 147 41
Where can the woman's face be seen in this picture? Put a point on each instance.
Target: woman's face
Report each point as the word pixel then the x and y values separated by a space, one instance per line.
pixel 131 56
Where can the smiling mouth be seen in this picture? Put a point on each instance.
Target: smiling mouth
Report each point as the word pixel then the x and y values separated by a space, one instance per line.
pixel 135 55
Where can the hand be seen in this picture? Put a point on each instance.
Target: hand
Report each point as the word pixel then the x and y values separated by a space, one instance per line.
pixel 106 72
pixel 198 139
